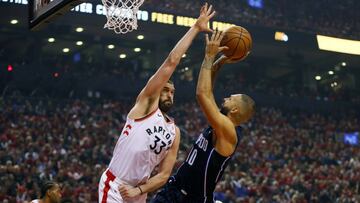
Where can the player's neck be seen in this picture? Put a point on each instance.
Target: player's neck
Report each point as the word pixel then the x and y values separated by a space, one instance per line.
pixel 166 117
pixel 233 120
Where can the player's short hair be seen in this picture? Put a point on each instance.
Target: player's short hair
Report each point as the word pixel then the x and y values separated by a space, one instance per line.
pixel 250 103
pixel 46 186
pixel 170 82
pixel 250 109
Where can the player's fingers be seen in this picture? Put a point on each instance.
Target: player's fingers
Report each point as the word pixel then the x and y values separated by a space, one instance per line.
pixel 205 7
pixel 213 35
pixel 223 48
pixel 209 10
pixel 221 35
pixel 207 38
pixel 212 14
pixel 217 35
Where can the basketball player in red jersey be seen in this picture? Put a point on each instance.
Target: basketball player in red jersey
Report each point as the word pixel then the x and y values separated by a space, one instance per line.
pixel 149 137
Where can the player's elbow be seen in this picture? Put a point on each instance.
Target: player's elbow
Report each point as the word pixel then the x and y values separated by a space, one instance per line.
pixel 173 59
pixel 201 94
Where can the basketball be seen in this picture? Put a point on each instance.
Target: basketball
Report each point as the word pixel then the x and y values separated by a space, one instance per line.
pixel 239 41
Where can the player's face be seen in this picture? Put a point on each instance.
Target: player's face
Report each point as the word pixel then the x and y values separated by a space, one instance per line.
pixel 166 97
pixel 55 194
pixel 225 107
pixel 229 103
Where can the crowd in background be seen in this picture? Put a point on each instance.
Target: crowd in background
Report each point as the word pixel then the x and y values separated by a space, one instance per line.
pixel 337 17
pixel 284 156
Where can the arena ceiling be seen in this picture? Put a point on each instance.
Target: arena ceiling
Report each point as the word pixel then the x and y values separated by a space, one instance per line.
pixel 158 40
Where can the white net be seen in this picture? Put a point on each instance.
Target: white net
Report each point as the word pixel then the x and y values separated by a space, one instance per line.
pixel 122 15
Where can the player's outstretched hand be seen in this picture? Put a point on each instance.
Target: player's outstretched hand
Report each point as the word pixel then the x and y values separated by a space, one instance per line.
pixel 213 44
pixel 206 13
pixel 128 191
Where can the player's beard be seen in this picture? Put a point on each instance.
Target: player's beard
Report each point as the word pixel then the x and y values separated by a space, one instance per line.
pixel 224 110
pixel 165 105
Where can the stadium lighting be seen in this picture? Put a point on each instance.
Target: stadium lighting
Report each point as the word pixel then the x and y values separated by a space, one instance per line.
pixel 331 72
pixel 79 29
pixel 51 40
pixel 281 36
pixel 79 43
pixel 338 45
pixel 14 21
pixel 137 49
pixel 318 77
pixel 122 56
pixel 140 37
pixel 343 64
pixel 66 50
pixel 111 46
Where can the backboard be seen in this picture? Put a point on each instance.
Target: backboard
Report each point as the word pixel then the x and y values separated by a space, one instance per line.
pixel 42 12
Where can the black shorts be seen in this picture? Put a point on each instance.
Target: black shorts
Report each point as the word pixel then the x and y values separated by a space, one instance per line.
pixel 171 193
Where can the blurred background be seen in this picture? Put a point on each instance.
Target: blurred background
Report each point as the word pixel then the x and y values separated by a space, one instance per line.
pixel 65 90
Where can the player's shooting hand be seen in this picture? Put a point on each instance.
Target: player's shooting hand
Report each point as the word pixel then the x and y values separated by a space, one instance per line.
pixel 206 13
pixel 128 191
pixel 213 44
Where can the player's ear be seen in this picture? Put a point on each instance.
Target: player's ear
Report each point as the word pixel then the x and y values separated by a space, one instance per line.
pixel 235 110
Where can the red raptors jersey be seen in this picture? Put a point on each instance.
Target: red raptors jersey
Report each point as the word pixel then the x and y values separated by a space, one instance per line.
pixel 141 146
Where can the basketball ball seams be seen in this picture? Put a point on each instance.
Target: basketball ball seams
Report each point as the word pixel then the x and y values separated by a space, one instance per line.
pixel 247 37
pixel 224 44
pixel 237 44
pixel 243 41
pixel 237 50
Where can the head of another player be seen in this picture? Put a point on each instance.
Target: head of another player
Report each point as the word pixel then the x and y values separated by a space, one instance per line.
pixel 239 108
pixel 51 191
pixel 166 100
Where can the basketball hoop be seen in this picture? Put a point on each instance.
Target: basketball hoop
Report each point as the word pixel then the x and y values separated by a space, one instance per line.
pixel 121 15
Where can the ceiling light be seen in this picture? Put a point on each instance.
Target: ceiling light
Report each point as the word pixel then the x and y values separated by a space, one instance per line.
pixel 14 21
pixel 331 72
pixel 137 49
pixel 111 46
pixel 79 29
pixel 184 55
pixel 122 56
pixel 79 43
pixel 318 77
pixel 140 37
pixel 65 50
pixel 343 64
pixel 51 39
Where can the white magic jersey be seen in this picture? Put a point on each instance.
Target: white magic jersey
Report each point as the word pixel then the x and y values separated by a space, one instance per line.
pixel 142 145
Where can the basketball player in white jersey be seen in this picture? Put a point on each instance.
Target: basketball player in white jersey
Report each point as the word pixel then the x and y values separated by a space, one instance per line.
pixel 50 193
pixel 149 137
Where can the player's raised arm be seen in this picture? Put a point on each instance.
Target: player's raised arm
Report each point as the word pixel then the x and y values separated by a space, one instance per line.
pixel 148 97
pixel 204 90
